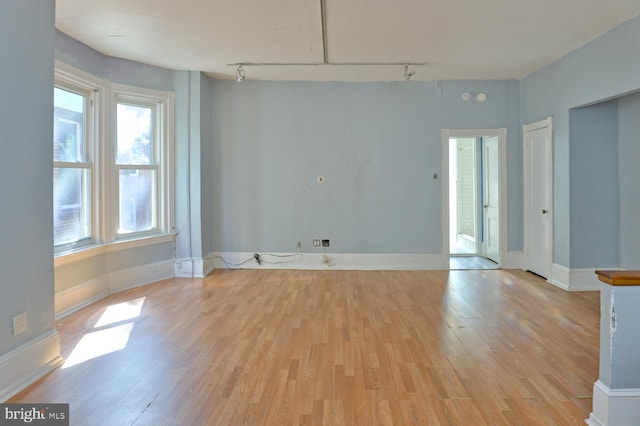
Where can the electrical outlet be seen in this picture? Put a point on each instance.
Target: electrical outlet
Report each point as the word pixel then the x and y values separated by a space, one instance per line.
pixel 316 243
pixel 299 244
pixel 20 324
pixel 325 243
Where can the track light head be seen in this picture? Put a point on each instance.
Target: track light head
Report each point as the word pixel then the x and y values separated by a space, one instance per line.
pixel 240 73
pixel 407 75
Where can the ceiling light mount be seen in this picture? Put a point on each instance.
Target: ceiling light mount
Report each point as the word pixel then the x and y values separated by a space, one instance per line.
pixel 240 73
pixel 480 97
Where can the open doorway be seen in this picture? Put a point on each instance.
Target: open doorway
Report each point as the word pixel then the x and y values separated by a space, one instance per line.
pixel 474 198
pixel 463 196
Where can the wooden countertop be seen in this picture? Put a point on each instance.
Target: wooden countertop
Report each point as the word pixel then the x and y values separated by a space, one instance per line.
pixel 619 277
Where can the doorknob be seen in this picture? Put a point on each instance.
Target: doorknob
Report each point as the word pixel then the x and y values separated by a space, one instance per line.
pixel 544 211
pixel 486 205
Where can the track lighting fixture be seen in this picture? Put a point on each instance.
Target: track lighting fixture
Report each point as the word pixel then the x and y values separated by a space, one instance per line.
pixel 407 75
pixel 325 57
pixel 240 73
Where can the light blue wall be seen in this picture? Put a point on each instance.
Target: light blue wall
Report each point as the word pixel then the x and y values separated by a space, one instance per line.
pixel 181 83
pixel 629 178
pixel 26 173
pixel 131 258
pixel 593 153
pixel 195 164
pixel 71 275
pixel 376 144
pixel 193 205
pixel 605 68
pixel 206 170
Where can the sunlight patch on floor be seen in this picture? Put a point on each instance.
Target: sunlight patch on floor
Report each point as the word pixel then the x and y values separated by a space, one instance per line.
pixel 99 343
pixel 110 338
pixel 120 312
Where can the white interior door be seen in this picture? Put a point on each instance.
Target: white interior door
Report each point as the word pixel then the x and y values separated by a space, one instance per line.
pixel 491 198
pixel 538 180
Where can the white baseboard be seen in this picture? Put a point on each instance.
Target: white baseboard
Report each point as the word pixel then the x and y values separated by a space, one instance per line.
pixel 139 275
pixel 75 298
pixel 27 363
pixel 513 259
pixel 560 276
pixel 584 280
pixel 183 267
pixel 614 407
pixel 194 267
pixel 579 279
pixel 208 264
pixel 340 261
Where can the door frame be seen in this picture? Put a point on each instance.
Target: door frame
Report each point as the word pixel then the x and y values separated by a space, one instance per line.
pixel 501 134
pixel 526 177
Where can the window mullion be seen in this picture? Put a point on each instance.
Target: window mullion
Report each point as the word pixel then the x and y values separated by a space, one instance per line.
pixel 105 151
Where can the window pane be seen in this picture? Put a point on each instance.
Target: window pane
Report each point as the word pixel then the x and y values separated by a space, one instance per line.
pixel 68 126
pixel 134 135
pixel 71 215
pixel 137 201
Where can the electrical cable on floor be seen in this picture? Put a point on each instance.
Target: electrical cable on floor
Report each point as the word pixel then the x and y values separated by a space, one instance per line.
pixel 229 264
pixel 292 256
pixel 233 266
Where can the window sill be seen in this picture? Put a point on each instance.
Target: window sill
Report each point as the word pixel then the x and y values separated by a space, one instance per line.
pixel 73 256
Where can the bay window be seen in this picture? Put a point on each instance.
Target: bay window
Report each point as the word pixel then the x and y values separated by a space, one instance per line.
pixel 111 161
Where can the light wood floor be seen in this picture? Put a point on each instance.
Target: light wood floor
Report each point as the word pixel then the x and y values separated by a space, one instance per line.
pixel 331 347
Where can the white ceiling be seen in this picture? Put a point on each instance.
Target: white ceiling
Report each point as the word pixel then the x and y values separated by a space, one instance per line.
pixel 455 39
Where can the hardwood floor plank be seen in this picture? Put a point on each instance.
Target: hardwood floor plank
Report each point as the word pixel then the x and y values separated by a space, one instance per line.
pixel 285 347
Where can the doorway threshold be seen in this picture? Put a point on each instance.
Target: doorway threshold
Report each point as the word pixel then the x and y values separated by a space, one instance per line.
pixel 471 263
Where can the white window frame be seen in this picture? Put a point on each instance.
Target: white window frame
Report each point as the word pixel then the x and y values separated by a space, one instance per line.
pixel 72 80
pixel 101 145
pixel 161 104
